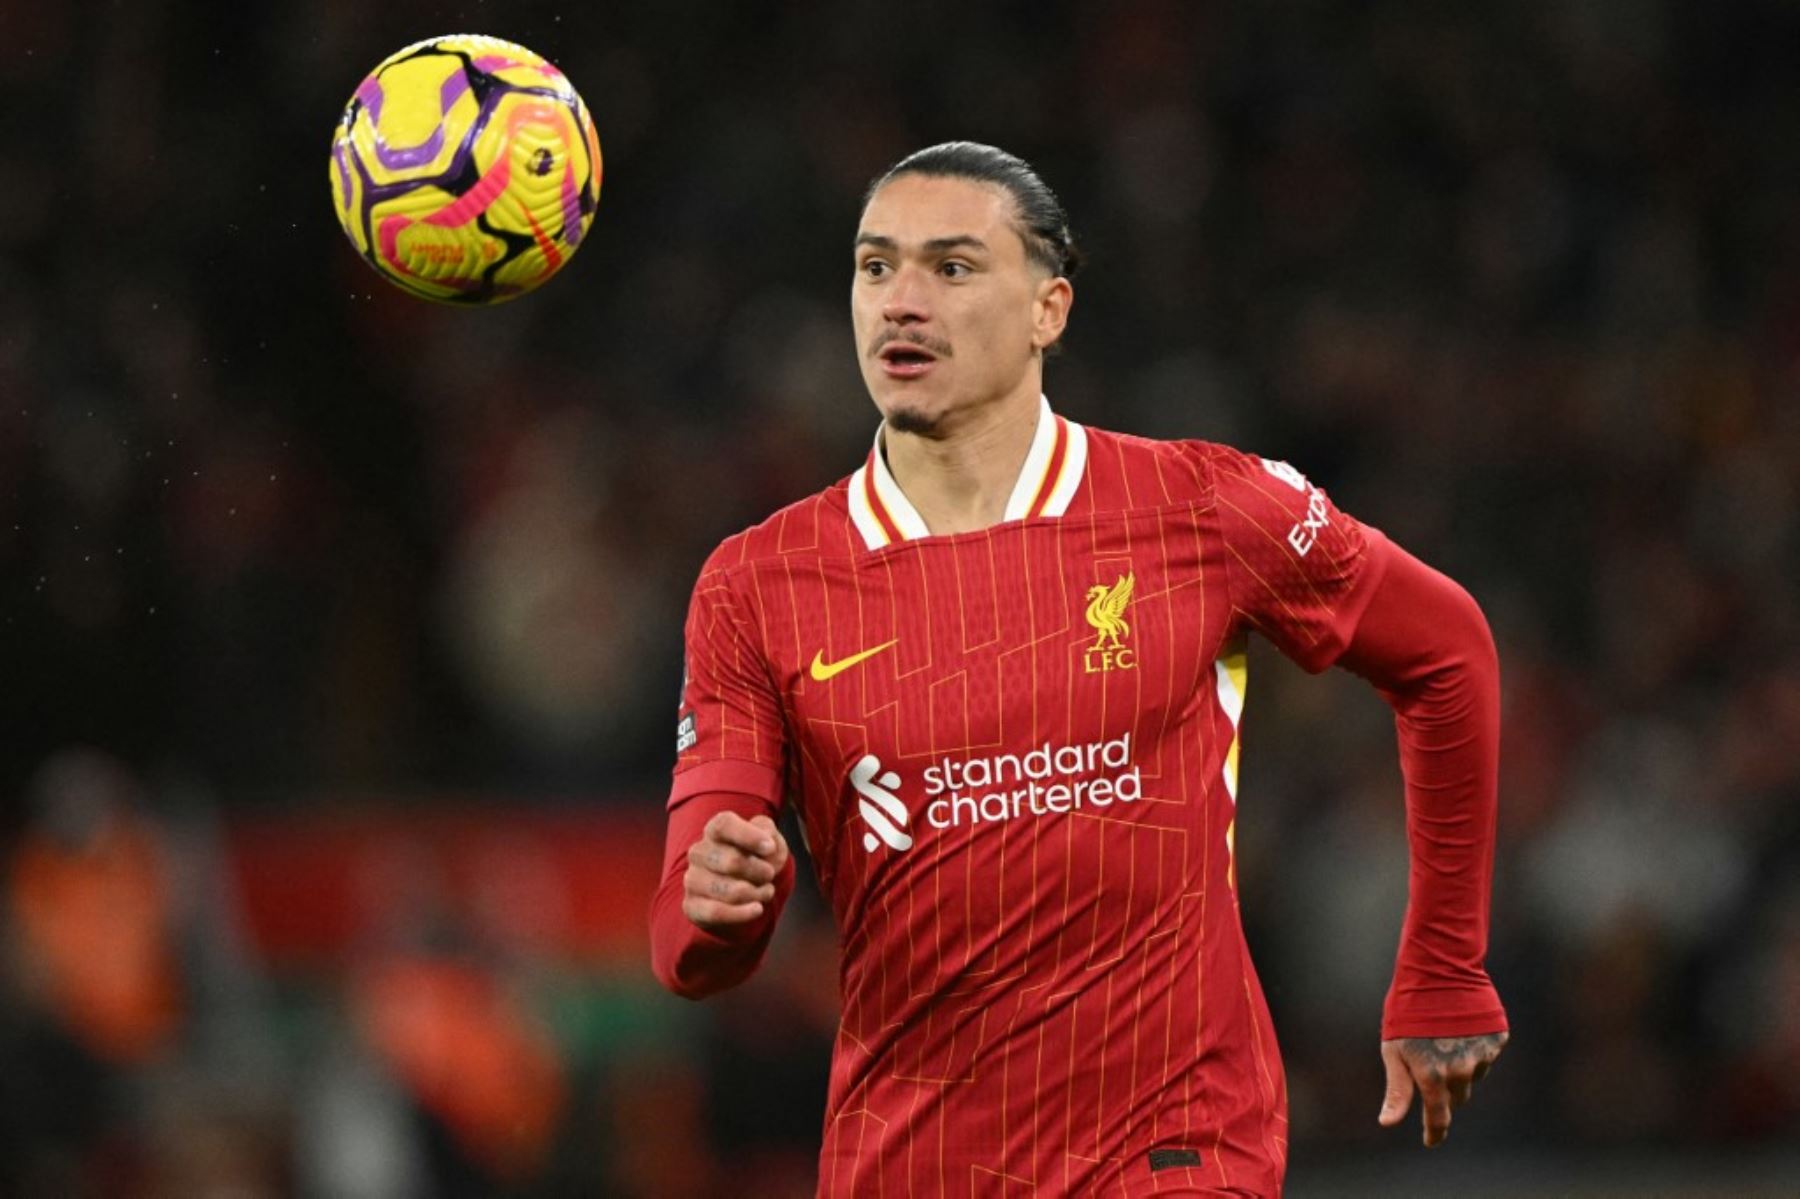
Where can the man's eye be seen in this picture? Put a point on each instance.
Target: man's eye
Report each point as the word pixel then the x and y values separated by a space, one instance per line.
pixel 955 270
pixel 874 268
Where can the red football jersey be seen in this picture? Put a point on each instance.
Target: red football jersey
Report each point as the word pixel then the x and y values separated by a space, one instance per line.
pixel 1013 754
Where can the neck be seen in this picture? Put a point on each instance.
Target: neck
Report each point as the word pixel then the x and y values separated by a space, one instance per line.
pixel 960 482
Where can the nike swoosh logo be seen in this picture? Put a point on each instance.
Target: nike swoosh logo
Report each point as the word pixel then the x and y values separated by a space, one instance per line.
pixel 822 670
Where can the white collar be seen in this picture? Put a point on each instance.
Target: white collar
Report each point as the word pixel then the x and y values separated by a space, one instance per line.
pixel 1052 473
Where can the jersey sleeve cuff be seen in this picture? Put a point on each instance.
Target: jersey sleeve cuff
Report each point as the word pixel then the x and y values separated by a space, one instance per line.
pixel 1461 1011
pixel 727 774
pixel 1472 1024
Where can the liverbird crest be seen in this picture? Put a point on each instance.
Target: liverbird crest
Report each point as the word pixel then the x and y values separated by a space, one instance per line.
pixel 1106 613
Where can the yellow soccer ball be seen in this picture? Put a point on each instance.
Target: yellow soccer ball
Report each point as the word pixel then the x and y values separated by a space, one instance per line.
pixel 465 170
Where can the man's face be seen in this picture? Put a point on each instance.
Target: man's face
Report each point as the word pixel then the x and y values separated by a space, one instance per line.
pixel 949 313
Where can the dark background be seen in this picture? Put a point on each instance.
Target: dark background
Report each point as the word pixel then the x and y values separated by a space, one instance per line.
pixel 293 566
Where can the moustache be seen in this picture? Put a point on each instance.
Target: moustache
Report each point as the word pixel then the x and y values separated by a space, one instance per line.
pixel 886 336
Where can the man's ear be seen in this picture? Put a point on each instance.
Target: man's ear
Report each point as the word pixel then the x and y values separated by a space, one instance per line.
pixel 1050 311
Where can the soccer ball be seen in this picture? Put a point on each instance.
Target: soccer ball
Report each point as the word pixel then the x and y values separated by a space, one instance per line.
pixel 465 170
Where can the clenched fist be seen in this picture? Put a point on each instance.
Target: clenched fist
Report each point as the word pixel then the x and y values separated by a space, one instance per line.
pixel 731 871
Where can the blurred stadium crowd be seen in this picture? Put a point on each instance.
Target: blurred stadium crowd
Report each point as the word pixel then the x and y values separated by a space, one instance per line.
pixel 288 560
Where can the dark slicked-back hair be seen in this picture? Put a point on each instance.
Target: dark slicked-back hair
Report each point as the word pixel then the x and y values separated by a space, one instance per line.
pixel 1039 217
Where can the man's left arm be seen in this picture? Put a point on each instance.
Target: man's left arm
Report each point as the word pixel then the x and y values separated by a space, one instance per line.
pixel 1328 590
pixel 1424 644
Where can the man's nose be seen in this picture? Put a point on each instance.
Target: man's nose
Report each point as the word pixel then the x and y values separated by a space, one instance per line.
pixel 906 301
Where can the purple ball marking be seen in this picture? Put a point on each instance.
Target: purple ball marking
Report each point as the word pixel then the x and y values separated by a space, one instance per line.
pixel 374 193
pixel 337 156
pixel 410 156
pixel 453 88
pixel 396 158
pixel 571 196
pixel 369 92
pixel 366 212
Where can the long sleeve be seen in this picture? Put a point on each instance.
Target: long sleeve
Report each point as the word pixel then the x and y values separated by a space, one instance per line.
pixel 685 958
pixel 730 746
pixel 1424 644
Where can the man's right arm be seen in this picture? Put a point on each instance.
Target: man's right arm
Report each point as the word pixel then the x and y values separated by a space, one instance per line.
pixel 726 869
pixel 726 876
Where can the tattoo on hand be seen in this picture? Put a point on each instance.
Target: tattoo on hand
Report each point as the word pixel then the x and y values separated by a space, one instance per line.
pixel 1441 1054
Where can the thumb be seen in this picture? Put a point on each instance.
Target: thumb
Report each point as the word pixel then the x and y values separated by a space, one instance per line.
pixel 1399 1085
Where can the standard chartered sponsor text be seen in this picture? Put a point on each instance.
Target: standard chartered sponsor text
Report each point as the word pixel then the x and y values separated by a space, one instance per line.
pixel 1045 780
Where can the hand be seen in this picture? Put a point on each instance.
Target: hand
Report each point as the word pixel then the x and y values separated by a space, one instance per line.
pixel 731 871
pixel 1445 1070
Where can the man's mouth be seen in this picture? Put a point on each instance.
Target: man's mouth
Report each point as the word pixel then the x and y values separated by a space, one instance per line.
pixel 906 360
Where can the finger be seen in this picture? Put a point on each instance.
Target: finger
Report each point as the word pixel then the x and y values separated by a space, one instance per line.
pixel 1460 1085
pixel 720 888
pixel 778 856
pixel 707 913
pixel 717 858
pixel 1399 1086
pixel 728 828
pixel 1434 1109
pixel 1482 1067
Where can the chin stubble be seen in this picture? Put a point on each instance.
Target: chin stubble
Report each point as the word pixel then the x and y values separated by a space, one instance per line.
pixel 911 420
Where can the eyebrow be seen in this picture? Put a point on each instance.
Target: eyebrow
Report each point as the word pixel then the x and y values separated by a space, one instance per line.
pixel 936 245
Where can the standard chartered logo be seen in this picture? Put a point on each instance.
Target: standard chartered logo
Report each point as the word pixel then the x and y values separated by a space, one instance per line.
pixel 880 807
pixel 1048 780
